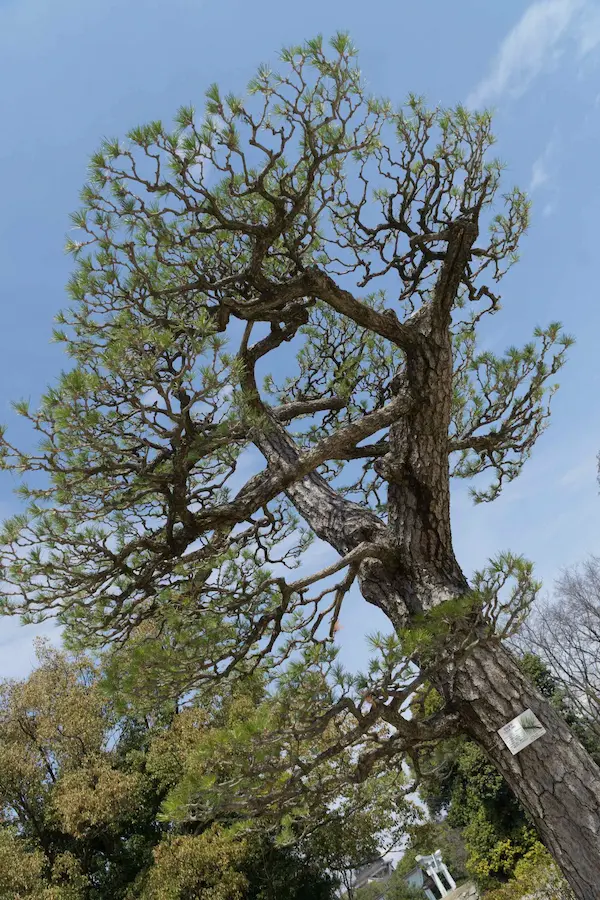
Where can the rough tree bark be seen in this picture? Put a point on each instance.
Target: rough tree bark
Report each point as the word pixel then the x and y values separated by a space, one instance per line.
pixel 554 778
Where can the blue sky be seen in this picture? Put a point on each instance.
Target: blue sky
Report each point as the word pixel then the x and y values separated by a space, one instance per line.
pixel 73 72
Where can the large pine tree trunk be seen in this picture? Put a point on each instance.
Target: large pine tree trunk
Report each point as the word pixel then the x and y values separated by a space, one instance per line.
pixel 554 778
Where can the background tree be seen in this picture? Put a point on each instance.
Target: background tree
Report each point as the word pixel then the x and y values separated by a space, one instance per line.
pixel 565 632
pixel 430 834
pixel 85 778
pixel 397 889
pixel 78 814
pixel 335 829
pixel 223 864
pixel 371 891
pixel 190 456
pixel 536 875
pixel 359 829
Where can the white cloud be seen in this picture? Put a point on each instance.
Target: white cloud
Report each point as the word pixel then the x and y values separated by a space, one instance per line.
pixel 530 47
pixel 539 174
pixel 544 173
pixel 543 176
pixel 540 171
pixel 588 36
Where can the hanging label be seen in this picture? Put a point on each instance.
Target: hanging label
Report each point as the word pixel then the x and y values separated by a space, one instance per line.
pixel 522 731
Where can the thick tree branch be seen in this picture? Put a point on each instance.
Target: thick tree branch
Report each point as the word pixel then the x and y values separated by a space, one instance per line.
pixel 342 523
pixel 386 324
pixel 463 234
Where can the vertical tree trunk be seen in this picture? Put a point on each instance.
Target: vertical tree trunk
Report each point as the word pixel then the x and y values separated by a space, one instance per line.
pixel 554 778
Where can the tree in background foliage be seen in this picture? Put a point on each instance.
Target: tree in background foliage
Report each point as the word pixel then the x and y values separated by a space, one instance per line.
pixel 536 876
pixel 336 836
pixel 496 830
pixel 86 782
pixel 395 888
pixel 229 864
pixel 78 813
pixel 371 891
pixel 274 337
pixel 365 823
pixel 565 632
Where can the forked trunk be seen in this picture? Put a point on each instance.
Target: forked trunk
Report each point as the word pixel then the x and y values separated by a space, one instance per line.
pixel 554 778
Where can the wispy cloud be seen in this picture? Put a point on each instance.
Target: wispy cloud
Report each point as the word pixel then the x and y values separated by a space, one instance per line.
pixel 544 177
pixel 534 44
pixel 582 474
pixel 539 174
pixel 544 180
pixel 541 171
pixel 588 35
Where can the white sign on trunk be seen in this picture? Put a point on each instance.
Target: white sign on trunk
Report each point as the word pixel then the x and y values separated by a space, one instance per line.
pixel 522 731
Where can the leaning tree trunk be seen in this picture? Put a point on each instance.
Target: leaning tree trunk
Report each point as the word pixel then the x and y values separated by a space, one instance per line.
pixel 554 778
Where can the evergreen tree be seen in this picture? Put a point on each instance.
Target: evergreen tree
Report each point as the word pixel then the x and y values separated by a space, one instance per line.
pixel 274 337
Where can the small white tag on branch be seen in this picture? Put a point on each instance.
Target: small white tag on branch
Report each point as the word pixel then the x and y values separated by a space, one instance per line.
pixel 521 731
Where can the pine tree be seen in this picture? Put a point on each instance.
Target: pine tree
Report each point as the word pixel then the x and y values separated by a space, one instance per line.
pixel 274 337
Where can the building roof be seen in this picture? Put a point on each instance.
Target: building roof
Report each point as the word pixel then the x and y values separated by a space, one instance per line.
pixel 378 868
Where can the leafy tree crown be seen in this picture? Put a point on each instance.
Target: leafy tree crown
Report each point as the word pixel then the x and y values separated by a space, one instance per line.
pixel 273 336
